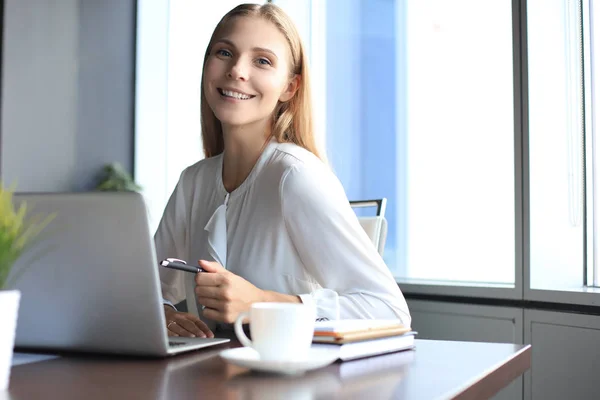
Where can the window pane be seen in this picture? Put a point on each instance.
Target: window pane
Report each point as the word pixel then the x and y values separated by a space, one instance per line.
pixel 591 37
pixel 555 145
pixel 420 110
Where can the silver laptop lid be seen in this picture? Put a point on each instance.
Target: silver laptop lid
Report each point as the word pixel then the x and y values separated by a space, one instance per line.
pixel 91 282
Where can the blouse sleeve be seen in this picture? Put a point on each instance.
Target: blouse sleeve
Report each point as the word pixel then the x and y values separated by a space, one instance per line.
pixel 335 249
pixel 170 241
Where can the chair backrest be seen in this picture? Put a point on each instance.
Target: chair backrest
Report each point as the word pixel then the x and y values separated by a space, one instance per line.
pixel 375 227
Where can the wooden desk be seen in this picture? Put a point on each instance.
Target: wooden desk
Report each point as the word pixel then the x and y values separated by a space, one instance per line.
pixel 435 370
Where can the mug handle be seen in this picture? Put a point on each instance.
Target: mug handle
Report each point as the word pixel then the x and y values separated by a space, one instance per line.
pixel 239 331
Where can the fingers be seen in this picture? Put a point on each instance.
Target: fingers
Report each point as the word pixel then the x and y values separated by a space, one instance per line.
pixel 204 328
pixel 210 292
pixel 213 314
pixel 187 325
pixel 191 328
pixel 212 303
pixel 209 279
pixel 172 328
pixel 169 331
pixel 226 315
pixel 182 328
pixel 210 266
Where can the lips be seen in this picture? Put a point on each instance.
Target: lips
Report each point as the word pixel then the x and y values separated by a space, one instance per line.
pixel 235 94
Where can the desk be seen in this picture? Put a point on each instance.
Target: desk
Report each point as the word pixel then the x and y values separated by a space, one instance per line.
pixel 434 370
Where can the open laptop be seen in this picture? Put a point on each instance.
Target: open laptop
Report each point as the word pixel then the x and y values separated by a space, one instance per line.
pixel 90 283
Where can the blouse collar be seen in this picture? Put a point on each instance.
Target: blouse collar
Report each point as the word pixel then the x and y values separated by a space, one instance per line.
pixel 254 172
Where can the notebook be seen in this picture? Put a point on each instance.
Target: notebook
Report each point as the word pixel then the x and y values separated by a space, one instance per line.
pixel 372 347
pixel 356 338
pixel 91 282
pixel 350 330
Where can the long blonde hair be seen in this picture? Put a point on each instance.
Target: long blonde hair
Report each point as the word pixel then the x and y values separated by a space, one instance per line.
pixel 292 120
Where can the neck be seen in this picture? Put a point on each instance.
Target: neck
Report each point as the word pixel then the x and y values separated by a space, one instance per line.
pixel 243 146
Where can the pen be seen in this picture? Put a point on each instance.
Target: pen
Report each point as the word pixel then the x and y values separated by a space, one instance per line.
pixel 181 265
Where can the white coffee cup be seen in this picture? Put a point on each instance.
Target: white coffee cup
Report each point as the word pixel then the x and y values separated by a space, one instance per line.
pixel 280 331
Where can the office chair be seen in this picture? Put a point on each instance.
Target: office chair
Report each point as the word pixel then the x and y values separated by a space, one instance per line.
pixel 376 227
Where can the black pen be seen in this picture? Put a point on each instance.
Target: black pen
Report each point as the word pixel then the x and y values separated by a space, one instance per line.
pixel 175 263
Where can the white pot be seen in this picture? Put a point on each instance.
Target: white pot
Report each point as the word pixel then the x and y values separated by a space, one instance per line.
pixel 9 310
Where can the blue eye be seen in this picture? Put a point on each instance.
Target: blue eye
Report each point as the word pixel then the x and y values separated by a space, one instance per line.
pixel 264 61
pixel 223 53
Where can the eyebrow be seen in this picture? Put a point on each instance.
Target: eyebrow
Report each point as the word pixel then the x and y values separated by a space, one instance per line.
pixel 255 49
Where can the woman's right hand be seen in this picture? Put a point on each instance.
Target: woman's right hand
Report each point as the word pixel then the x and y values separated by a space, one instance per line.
pixel 185 324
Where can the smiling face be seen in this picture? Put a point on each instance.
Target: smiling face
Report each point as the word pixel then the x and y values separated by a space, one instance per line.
pixel 247 72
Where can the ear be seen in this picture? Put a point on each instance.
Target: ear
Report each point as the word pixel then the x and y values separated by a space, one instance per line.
pixel 291 89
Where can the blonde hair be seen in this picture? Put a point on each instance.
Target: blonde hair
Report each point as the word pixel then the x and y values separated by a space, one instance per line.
pixel 292 120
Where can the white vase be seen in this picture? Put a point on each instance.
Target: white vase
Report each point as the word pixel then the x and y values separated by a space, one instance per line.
pixel 9 310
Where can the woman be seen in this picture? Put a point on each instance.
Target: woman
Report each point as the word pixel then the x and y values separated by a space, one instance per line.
pixel 263 214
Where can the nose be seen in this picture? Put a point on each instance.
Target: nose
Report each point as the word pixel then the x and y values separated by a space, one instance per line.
pixel 238 70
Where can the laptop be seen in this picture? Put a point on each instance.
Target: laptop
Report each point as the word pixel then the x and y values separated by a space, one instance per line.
pixel 90 282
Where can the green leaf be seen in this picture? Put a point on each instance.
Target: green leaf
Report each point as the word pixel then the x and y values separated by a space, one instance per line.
pixel 17 232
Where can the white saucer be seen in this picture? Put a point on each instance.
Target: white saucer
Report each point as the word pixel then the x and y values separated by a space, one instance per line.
pixel 247 357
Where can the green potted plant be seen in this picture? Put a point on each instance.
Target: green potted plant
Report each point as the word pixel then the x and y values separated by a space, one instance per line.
pixel 114 178
pixel 17 232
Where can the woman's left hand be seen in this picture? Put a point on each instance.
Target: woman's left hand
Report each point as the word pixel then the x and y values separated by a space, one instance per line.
pixel 224 294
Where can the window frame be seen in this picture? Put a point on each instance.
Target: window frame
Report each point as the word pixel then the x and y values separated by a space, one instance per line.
pixel 522 290
pixel 498 290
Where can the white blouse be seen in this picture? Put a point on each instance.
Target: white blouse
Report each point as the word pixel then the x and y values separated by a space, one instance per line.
pixel 288 228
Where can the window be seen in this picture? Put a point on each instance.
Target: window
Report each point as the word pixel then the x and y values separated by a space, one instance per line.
pixel 562 156
pixel 475 119
pixel 420 111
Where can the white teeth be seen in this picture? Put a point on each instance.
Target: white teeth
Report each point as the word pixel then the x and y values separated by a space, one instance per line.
pixel 235 95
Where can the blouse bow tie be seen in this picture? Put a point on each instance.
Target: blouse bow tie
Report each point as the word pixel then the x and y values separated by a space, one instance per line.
pixel 217 234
